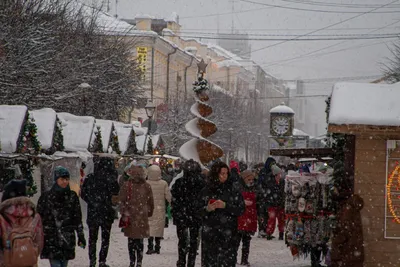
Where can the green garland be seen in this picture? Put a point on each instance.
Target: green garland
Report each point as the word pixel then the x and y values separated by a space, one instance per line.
pixel 150 147
pixel 114 141
pixel 27 140
pixel 132 148
pixel 58 136
pixel 97 146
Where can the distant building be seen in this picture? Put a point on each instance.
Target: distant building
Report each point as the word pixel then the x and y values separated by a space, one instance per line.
pixel 237 43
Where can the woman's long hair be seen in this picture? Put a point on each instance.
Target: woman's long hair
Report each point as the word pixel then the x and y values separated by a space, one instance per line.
pixel 213 176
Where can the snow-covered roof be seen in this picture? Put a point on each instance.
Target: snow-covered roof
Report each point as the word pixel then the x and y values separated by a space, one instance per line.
pixel 218 88
pixel 228 63
pixel 124 132
pixel 365 104
pixel 223 52
pixel 282 108
pixel 105 129
pixel 168 32
pixel 140 141
pixel 77 131
pixel 45 120
pixel 11 120
pixel 299 132
pixel 144 16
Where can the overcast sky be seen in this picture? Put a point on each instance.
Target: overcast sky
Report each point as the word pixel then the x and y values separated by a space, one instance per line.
pixel 365 60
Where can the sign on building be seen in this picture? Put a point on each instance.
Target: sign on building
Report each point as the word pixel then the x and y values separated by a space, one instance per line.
pixel 142 60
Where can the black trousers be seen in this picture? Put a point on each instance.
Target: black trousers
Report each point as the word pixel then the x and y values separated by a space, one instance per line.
pixel 245 238
pixel 150 245
pixel 188 238
pixel 218 247
pixel 135 247
pixel 105 241
pixel 315 256
pixel 263 219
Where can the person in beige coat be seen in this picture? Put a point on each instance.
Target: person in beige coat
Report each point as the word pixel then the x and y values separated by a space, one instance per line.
pixel 137 205
pixel 161 195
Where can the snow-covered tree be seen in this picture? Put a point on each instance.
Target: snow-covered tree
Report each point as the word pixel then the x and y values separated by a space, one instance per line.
pixel 50 49
pixel 392 70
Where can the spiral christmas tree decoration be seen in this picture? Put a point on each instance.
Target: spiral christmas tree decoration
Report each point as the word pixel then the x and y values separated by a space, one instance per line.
pixel 199 148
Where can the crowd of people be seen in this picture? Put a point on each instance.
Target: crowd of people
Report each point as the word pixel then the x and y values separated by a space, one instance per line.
pixel 219 210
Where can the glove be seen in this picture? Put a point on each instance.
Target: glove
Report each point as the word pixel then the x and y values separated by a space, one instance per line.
pixel 81 240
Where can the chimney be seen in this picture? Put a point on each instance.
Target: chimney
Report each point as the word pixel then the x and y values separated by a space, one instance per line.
pixel 143 22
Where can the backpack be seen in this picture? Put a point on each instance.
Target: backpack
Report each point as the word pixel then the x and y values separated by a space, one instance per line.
pixel 19 247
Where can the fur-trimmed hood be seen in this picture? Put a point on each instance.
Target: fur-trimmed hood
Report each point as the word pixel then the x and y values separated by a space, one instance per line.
pixel 18 207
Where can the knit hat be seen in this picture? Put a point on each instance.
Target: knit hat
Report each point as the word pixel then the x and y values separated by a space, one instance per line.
pixel 154 173
pixel 246 173
pixel 60 171
pixel 275 169
pixel 14 188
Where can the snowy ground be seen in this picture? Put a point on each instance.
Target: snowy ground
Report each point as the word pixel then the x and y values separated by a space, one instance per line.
pixel 263 253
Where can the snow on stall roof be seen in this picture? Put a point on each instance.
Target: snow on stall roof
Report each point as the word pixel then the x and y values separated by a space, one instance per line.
pixel 77 131
pixel 282 108
pixel 140 141
pixel 139 131
pixel 105 129
pixel 11 120
pixel 299 132
pixel 45 120
pixel 366 104
pixel 123 132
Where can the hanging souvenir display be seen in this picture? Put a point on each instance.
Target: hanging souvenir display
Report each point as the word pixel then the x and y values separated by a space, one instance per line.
pixel 307 208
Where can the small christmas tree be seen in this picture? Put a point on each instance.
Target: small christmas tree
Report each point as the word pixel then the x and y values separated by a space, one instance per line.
pixel 97 146
pixel 58 136
pixel 114 142
pixel 150 146
pixel 132 149
pixel 28 141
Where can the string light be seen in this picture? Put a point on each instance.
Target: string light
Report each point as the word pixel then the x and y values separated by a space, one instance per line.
pixel 389 193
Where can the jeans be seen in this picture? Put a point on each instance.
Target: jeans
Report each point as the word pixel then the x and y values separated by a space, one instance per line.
pixel 187 245
pixel 105 242
pixel 135 247
pixel 58 263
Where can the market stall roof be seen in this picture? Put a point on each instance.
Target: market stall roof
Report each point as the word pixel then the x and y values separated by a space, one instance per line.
pixel 364 107
pixel 45 120
pixel 302 152
pixel 11 121
pixel 140 141
pixel 77 131
pixel 123 132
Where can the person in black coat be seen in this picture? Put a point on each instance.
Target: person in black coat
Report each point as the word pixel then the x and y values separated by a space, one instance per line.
pixel 185 193
pixel 97 190
pixel 264 176
pixel 61 215
pixel 221 205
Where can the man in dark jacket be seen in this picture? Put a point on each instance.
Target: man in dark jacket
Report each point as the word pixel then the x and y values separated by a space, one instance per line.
pixel 61 217
pixel 185 193
pixel 275 200
pixel 264 175
pixel 97 190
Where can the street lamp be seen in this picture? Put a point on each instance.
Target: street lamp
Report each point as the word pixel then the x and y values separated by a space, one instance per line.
pixel 150 109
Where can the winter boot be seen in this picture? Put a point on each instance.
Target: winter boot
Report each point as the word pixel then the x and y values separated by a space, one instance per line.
pixel 151 251
pixel 103 264
pixel 270 237
pixel 157 250
pixel 262 234
pixel 132 264
pixel 281 235
pixel 92 264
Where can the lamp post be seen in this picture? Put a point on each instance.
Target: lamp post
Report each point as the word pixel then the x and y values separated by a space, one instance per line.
pixel 84 87
pixel 259 147
pixel 230 142
pixel 150 109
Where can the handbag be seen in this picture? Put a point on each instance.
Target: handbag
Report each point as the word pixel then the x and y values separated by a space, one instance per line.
pixel 125 221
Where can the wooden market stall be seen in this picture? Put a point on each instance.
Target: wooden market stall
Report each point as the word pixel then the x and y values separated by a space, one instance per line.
pixel 370 114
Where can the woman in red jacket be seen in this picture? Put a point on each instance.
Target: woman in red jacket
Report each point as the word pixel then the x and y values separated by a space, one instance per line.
pixel 247 223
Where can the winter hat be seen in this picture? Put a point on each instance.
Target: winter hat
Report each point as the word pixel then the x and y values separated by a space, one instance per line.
pixel 234 165
pixel 14 188
pixel 191 166
pixel 246 173
pixel 275 169
pixel 60 171
pixel 154 173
